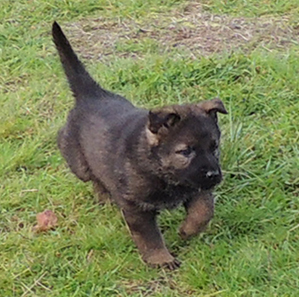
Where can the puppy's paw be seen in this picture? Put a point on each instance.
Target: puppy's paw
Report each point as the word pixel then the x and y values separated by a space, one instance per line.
pixel 183 234
pixel 171 265
pixel 190 229
pixel 186 231
pixel 175 264
pixel 162 259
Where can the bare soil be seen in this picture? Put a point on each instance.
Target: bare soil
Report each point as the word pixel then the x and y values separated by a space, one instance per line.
pixel 191 29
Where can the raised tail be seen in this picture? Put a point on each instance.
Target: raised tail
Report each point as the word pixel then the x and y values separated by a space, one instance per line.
pixel 81 83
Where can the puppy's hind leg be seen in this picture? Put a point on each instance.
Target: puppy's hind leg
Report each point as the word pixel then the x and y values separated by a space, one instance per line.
pixel 71 151
pixel 102 194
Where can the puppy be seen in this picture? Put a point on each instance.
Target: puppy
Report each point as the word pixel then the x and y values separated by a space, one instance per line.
pixel 145 160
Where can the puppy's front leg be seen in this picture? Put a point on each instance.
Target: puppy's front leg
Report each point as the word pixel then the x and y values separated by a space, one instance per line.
pixel 200 211
pixel 148 238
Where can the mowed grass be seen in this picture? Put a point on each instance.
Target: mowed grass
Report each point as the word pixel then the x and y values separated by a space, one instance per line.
pixel 251 247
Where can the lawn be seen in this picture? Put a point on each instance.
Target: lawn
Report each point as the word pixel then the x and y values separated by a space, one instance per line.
pixel 154 53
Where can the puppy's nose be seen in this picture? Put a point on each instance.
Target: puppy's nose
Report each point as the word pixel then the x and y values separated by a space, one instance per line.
pixel 212 174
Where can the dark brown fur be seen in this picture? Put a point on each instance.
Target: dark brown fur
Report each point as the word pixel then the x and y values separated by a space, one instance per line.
pixel 145 160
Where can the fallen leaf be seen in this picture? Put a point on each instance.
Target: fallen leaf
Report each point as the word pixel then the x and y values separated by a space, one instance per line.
pixel 46 220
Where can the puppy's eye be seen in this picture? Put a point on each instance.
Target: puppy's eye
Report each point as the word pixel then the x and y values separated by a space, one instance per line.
pixel 185 152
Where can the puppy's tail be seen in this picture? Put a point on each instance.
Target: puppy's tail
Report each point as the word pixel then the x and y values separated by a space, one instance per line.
pixel 81 83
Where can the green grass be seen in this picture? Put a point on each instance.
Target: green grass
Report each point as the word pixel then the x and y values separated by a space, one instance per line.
pixel 252 7
pixel 251 247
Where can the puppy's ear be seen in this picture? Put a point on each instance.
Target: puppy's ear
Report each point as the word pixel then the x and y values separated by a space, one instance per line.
pixel 162 119
pixel 213 106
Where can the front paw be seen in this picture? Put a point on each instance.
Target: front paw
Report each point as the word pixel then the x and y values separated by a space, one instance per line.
pixel 189 229
pixel 162 259
pixel 183 234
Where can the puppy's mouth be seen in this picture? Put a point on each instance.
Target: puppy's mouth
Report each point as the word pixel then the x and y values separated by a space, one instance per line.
pixel 204 184
pixel 208 186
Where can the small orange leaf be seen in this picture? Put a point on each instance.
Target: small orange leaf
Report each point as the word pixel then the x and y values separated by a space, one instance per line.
pixel 46 220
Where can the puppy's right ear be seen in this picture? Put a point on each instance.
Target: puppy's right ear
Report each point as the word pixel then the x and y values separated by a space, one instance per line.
pixel 162 119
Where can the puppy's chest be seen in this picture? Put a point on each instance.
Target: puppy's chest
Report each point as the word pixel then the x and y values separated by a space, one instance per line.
pixel 167 197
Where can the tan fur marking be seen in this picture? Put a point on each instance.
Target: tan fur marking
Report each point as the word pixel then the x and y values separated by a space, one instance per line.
pixel 151 137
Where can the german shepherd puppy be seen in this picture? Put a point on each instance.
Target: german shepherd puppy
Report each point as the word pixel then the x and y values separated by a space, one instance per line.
pixel 145 160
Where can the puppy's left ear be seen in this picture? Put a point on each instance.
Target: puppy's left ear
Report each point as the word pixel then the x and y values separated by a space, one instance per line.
pixel 213 106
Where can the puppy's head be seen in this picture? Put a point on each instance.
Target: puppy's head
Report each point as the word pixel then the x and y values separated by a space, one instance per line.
pixel 185 140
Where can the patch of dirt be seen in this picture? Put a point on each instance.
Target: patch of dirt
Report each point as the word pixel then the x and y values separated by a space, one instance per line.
pixel 191 29
pixel 153 287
